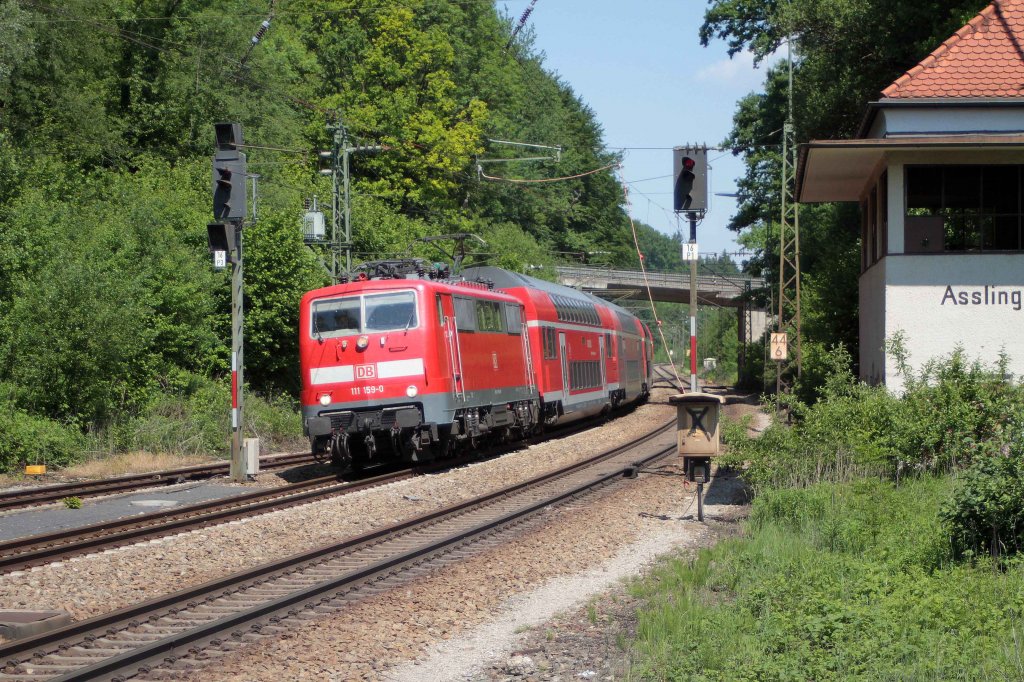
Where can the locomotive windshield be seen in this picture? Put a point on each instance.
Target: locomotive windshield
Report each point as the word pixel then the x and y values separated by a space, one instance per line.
pixel 360 314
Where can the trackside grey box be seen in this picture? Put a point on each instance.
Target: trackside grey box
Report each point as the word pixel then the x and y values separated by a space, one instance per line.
pixel 697 419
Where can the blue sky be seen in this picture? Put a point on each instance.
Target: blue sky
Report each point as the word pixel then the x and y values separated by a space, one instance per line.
pixel 640 67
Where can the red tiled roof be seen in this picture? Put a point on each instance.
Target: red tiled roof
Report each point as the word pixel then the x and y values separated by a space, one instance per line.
pixel 985 58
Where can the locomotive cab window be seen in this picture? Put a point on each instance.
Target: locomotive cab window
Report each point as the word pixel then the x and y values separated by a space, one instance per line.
pixel 359 314
pixel 387 312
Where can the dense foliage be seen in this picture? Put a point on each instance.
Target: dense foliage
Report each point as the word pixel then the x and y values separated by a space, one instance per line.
pixel 110 316
pixel 953 413
pixel 845 52
pixel 834 582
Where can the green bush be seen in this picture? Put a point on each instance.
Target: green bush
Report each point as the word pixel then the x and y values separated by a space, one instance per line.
pixel 948 414
pixel 195 419
pixel 986 513
pixel 26 439
pixel 833 582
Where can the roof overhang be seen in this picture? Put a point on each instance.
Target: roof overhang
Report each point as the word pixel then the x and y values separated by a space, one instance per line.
pixel 838 170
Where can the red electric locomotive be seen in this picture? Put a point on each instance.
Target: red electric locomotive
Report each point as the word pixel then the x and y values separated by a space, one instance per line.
pixel 404 363
pixel 395 363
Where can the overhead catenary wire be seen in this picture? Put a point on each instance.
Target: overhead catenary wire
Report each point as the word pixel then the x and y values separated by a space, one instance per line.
pixel 524 181
pixel 522 22
pixel 647 284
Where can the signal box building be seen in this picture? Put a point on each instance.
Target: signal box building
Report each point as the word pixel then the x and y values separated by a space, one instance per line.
pixel 938 171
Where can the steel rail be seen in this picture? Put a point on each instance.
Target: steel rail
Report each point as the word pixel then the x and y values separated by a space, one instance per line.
pixel 36 550
pixel 34 496
pixel 33 650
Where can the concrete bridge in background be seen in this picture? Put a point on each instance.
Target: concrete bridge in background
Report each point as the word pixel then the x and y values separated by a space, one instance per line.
pixel 727 291
pixel 674 287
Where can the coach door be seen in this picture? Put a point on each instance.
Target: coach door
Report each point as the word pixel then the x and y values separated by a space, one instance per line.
pixel 451 345
pixel 565 368
pixel 601 360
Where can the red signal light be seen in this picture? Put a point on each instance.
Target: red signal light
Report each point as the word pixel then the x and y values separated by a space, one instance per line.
pixel 688 163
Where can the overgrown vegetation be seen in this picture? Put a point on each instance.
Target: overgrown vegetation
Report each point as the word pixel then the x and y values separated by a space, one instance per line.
pixel 113 328
pixel 835 582
pixel 953 412
pixel 883 542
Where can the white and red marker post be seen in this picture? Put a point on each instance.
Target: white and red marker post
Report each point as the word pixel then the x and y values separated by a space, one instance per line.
pixel 239 471
pixel 691 252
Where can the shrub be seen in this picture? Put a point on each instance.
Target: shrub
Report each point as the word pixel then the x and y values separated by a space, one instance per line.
pixel 948 415
pixel 194 419
pixel 26 439
pixel 986 512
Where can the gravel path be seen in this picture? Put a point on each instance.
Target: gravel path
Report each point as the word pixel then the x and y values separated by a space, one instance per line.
pixel 113 579
pixel 547 634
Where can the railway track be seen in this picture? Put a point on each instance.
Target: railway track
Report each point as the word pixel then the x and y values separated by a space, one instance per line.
pixel 664 376
pixel 37 550
pixel 35 496
pixel 177 632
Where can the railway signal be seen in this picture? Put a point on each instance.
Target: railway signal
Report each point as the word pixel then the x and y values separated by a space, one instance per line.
pixel 229 174
pixel 230 208
pixel 691 179
pixel 690 196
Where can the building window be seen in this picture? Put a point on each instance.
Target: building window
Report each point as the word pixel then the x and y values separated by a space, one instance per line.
pixel 966 208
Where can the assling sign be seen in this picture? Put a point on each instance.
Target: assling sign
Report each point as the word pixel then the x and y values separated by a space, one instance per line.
pixel 985 296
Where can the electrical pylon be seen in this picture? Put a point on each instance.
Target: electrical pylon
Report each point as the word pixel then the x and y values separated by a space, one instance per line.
pixel 788 319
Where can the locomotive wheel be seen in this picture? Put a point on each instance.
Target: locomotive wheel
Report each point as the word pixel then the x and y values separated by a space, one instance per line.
pixel 341 457
pixel 321 449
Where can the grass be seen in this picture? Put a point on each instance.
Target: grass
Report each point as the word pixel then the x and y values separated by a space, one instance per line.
pixel 834 581
pixel 174 429
pixel 122 463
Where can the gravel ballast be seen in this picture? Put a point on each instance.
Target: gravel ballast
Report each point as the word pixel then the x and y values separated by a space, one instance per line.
pixel 105 581
pixel 546 604
pixel 484 604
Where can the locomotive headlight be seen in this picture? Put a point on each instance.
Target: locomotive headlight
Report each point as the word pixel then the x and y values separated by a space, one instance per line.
pixel 325 399
pixel 411 391
pixel 363 342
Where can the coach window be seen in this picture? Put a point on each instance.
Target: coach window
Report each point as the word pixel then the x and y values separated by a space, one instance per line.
pixel 609 347
pixel 548 339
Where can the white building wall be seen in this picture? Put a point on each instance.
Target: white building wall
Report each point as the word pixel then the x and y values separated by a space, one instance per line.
pixel 942 300
pixel 872 323
pixel 939 120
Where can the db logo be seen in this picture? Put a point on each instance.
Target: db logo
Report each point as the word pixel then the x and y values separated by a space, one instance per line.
pixel 366 371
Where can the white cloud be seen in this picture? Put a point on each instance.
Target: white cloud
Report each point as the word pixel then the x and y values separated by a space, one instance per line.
pixel 738 71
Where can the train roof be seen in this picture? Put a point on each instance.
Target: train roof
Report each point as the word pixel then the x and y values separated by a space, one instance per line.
pixel 506 279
